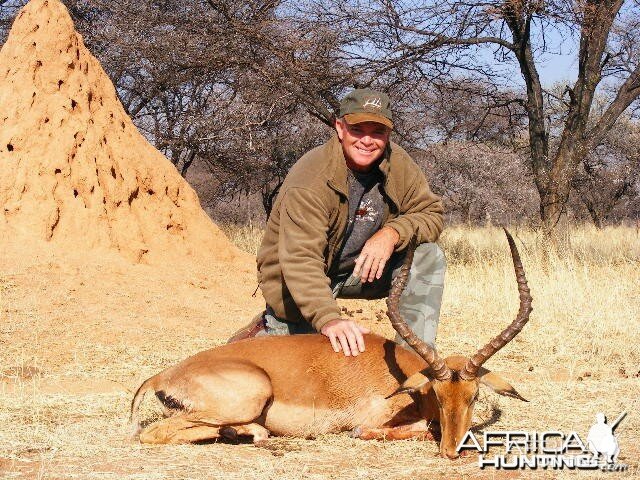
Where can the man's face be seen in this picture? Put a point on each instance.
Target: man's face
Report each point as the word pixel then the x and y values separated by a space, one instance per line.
pixel 363 143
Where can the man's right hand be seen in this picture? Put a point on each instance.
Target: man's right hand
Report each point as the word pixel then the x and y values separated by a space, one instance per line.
pixel 345 335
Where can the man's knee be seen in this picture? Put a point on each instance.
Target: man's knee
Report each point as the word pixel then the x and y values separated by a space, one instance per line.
pixel 429 260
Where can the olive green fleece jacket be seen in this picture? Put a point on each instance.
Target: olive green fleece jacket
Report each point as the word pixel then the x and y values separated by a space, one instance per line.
pixel 306 229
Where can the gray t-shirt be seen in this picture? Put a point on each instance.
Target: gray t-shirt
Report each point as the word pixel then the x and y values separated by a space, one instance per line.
pixel 366 209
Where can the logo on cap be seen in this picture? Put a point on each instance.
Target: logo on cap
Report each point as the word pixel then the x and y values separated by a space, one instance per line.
pixel 373 102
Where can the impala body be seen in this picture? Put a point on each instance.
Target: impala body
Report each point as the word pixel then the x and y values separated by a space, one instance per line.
pixel 298 386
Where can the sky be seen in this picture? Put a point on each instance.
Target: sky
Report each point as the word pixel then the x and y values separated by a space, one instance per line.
pixel 558 68
pixel 559 64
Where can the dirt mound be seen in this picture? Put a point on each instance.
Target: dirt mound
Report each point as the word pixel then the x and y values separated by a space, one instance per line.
pixel 75 170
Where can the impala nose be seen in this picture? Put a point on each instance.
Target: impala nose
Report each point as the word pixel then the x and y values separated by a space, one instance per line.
pixel 451 454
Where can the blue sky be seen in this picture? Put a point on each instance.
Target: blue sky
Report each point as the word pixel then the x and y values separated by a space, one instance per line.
pixel 558 68
pixel 560 62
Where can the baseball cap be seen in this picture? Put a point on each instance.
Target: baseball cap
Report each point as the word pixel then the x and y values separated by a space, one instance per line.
pixel 366 105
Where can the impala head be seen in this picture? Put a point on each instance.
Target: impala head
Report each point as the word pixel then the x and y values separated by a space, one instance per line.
pixel 454 382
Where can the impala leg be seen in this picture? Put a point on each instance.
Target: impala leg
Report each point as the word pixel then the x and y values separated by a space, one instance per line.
pixel 255 430
pixel 181 428
pixel 419 429
pixel 230 399
pixel 189 428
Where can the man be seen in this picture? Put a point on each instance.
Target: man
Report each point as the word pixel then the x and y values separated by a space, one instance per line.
pixel 339 228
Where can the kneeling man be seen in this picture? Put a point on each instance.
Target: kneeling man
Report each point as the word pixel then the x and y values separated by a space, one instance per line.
pixel 339 228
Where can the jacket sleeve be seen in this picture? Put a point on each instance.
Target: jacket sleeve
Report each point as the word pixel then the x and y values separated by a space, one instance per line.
pixel 421 212
pixel 304 224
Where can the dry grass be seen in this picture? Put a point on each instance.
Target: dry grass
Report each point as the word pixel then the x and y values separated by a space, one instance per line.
pixel 577 356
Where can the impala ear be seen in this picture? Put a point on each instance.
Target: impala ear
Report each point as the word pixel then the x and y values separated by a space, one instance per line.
pixel 412 384
pixel 498 384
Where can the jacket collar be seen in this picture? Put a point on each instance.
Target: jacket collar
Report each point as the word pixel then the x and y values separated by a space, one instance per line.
pixel 339 169
pixel 338 180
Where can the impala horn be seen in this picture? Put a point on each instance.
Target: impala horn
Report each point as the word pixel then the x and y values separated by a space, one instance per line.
pixel 429 354
pixel 472 366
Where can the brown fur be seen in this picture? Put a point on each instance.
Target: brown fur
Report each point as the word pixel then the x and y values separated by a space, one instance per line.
pixel 298 386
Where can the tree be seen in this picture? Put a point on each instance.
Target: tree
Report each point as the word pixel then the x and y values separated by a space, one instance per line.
pixel 242 89
pixel 610 174
pixel 435 41
pixel 8 10
pixel 217 82
pixel 479 182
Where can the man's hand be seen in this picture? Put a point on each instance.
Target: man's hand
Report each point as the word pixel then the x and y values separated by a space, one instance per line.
pixel 375 253
pixel 345 335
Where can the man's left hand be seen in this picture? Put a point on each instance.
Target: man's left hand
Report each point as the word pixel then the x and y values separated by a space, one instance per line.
pixel 375 254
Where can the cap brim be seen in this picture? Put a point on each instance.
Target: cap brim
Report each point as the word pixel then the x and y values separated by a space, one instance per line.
pixel 353 118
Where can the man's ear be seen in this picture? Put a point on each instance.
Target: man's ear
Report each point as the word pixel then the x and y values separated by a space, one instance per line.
pixel 340 127
pixel 498 384
pixel 414 383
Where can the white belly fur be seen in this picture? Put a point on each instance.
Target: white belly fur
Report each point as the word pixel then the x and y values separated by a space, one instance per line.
pixel 307 421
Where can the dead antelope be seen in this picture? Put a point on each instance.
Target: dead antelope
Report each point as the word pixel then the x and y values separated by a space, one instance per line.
pixel 298 386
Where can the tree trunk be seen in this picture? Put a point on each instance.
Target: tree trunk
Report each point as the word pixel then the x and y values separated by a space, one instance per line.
pixel 555 196
pixel 595 217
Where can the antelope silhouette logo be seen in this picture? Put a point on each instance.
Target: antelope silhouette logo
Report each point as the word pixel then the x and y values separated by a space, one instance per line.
pixel 374 102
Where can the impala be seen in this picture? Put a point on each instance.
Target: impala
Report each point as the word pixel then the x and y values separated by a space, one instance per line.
pixel 298 386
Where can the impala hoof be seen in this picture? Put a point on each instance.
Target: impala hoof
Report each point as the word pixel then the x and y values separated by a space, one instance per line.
pixel 356 432
pixel 229 433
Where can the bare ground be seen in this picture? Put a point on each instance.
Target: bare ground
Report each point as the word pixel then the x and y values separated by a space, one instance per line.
pixel 78 335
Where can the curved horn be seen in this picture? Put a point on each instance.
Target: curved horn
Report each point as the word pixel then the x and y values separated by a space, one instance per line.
pixel 430 355
pixel 470 370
